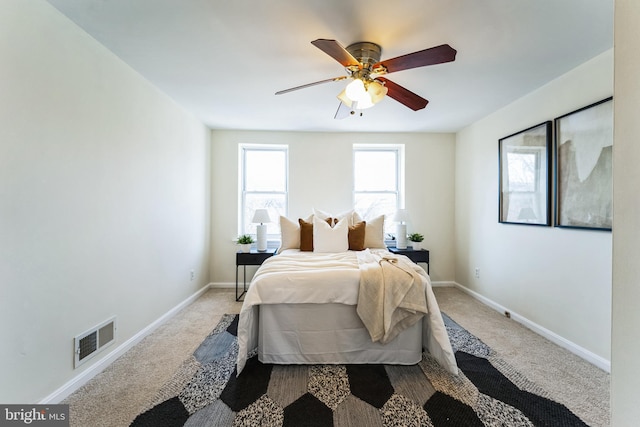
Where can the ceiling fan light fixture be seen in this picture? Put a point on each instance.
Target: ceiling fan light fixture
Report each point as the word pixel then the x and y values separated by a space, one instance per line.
pixel 360 95
pixel 342 96
pixel 355 90
pixel 364 103
pixel 376 91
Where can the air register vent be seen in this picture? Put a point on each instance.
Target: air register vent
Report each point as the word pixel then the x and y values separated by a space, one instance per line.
pixel 92 341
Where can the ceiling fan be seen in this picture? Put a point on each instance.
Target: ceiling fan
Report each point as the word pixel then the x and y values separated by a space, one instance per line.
pixel 363 65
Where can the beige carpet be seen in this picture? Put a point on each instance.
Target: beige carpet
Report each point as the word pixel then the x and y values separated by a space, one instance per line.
pixel 123 390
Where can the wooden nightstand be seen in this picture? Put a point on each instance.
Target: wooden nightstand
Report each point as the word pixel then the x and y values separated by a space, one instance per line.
pixel 421 255
pixel 249 258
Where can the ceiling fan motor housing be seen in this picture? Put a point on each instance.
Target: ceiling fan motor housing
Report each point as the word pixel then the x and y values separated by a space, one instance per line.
pixel 366 53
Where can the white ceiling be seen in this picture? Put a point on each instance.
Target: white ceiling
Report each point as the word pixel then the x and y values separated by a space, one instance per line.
pixel 223 60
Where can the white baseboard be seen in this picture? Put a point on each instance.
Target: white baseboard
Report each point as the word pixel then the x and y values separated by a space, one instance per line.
pixel 101 364
pixel 587 355
pixel 443 284
pixel 224 285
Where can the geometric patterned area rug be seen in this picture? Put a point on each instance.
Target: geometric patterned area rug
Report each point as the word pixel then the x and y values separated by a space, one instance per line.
pixel 488 392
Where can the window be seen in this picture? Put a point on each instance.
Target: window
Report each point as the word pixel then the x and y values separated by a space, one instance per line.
pixel 378 180
pixel 263 185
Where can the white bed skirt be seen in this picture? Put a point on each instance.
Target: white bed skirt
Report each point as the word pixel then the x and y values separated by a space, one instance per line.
pixel 328 334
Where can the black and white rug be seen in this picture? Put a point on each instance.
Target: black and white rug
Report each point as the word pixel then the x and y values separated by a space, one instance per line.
pixel 206 392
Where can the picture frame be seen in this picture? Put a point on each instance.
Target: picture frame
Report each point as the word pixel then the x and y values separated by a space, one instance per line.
pixel 525 176
pixel 584 167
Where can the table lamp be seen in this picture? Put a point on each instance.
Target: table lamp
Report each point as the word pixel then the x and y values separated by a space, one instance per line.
pixel 401 217
pixel 260 217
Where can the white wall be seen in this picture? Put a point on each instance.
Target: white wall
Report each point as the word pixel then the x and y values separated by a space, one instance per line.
pixel 104 198
pixel 321 176
pixel 625 366
pixel 560 279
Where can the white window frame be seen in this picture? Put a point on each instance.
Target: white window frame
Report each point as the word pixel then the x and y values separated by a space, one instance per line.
pixel 398 149
pixel 242 150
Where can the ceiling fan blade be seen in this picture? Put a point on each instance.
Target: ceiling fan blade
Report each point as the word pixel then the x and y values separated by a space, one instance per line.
pixel 336 51
pixel 404 96
pixel 335 79
pixel 431 56
pixel 343 111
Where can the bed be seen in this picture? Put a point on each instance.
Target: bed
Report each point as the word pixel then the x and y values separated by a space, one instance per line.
pixel 305 307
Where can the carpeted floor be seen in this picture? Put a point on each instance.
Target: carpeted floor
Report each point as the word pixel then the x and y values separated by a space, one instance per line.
pixel 128 387
pixel 207 392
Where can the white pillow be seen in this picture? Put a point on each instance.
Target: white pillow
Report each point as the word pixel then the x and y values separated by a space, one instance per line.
pixel 328 239
pixel 321 214
pixel 290 233
pixel 324 215
pixel 374 233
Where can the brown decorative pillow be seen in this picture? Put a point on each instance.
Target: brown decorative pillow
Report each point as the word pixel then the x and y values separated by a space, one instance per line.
pixel 306 234
pixel 356 236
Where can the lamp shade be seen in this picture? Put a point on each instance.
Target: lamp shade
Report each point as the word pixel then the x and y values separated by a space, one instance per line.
pixel 362 104
pixel 401 216
pixel 376 91
pixel 261 216
pixel 355 90
pixel 342 96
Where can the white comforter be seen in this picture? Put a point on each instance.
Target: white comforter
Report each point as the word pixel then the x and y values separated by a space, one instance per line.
pixel 307 277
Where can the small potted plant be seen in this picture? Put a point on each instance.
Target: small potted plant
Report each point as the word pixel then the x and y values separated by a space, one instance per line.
pixel 245 242
pixel 416 241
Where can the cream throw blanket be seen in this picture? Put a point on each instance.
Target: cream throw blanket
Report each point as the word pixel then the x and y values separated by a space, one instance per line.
pixel 391 297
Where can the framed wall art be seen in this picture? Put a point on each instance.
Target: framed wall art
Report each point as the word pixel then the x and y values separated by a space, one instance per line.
pixel 584 174
pixel 525 176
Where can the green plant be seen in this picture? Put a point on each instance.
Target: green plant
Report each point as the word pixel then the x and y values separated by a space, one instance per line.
pixel 245 239
pixel 416 237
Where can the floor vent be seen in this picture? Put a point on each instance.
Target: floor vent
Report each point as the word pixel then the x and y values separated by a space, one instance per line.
pixel 89 343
